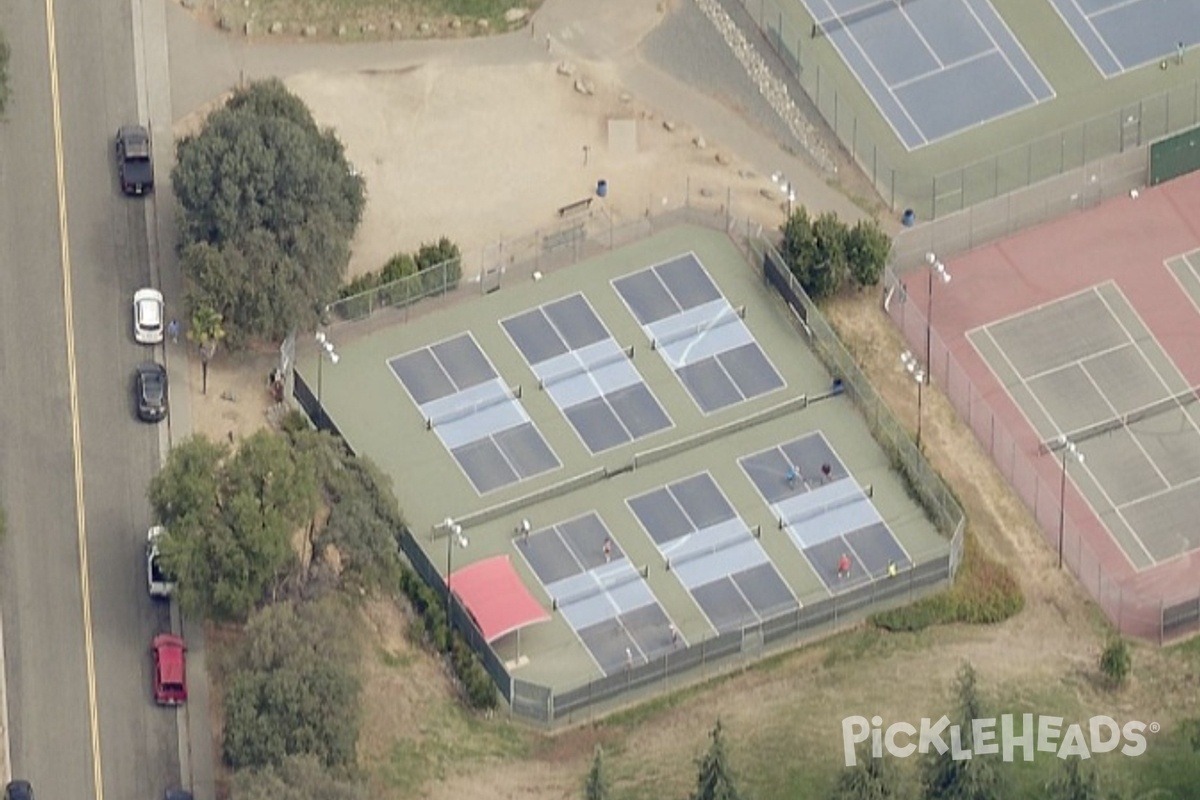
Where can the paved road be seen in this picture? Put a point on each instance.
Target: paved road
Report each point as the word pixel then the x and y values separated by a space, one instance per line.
pixel 47 662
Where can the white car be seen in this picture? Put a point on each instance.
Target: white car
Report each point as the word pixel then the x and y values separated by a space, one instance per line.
pixel 148 316
pixel 161 584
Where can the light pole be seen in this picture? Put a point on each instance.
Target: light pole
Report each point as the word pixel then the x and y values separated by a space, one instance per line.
pixel 454 536
pixel 785 186
pixel 913 366
pixel 939 269
pixel 1069 450
pixel 326 351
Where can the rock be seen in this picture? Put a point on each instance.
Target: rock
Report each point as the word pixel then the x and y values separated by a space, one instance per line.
pixel 397 26
pixel 423 27
pixel 368 27
pixel 767 193
pixel 748 174
pixel 276 28
pixel 482 24
pixel 625 97
pixel 226 24
pixel 308 30
pixel 341 30
pixel 706 192
pixel 722 159
pixel 699 142
pixel 584 87
pixel 455 24
pixel 515 15
pixel 668 126
pixel 567 69
pixel 248 28
pixel 189 4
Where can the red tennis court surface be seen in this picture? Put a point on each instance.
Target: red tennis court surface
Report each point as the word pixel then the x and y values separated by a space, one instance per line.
pixel 1125 241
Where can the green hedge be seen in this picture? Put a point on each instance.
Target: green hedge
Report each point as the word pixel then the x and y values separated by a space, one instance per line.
pixel 478 689
pixel 984 593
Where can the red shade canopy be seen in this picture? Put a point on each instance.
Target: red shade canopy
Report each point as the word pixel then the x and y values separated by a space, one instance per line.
pixel 496 597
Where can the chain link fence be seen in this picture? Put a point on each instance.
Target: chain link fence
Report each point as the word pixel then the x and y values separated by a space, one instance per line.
pixel 817 68
pixel 1034 476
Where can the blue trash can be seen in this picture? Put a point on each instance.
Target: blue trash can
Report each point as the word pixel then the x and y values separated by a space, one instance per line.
pixel 909 218
pixel 602 188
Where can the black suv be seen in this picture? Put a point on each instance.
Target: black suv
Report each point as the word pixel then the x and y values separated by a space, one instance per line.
pixel 134 165
pixel 18 790
pixel 150 392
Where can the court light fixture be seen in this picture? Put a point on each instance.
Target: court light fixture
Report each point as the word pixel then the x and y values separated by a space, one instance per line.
pixel 913 366
pixel 326 350
pixel 454 536
pixel 938 269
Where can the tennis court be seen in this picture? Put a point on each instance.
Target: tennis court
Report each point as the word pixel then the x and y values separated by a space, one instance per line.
pixel 933 68
pixel 599 592
pixel 700 335
pixel 1122 35
pixel 477 417
pixel 713 553
pixel 1186 271
pixel 1113 406
pixel 590 377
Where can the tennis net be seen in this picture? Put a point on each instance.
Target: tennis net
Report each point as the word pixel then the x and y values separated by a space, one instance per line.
pixel 820 510
pixel 855 15
pixel 1181 400
pixel 597 589
pixel 471 409
pixel 737 536
pixel 580 369
pixel 727 316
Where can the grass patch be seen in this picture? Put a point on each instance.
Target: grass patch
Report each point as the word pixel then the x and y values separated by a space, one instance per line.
pixel 985 592
pixel 395 660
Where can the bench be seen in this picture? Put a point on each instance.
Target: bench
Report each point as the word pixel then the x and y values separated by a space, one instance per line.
pixel 578 205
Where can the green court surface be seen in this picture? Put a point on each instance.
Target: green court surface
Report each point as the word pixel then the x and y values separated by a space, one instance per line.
pixel 379 419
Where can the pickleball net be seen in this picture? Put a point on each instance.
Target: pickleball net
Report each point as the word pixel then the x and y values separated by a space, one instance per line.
pixel 1157 408
pixel 735 537
pixel 598 588
pixel 820 510
pixel 854 16
pixel 471 409
pixel 727 317
pixel 579 369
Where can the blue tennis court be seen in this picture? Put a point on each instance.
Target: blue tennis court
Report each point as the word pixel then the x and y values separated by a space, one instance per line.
pixel 933 68
pixel 477 417
pixel 825 513
pixel 713 553
pixel 1121 35
pixel 589 376
pixel 599 592
pixel 703 338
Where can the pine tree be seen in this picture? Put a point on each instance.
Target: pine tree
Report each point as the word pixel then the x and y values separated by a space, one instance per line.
pixel 596 785
pixel 943 778
pixel 871 779
pixel 714 781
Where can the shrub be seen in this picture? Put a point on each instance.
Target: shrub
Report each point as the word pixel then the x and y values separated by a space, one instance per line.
pixel 1115 661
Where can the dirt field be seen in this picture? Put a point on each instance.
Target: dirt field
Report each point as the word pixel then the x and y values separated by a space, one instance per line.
pixel 468 153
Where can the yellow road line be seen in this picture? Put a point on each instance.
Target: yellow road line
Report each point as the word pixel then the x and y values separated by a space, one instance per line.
pixel 73 391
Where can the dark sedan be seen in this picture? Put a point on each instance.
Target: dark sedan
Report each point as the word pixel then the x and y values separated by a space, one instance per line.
pixel 150 392
pixel 135 166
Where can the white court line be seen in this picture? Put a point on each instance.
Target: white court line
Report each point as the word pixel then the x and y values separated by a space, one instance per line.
pixel 1187 263
pixel 886 85
pixel 1029 59
pixel 1076 362
pixel 1116 413
pixel 944 68
pixel 1003 54
pixel 1163 492
pixel 1032 309
pixel 1103 42
pixel 1024 384
pixel 917 30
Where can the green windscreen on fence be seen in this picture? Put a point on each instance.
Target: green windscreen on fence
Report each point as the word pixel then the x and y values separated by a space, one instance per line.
pixel 1174 156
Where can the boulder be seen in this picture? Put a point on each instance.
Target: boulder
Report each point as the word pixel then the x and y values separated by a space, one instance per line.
pixel 565 68
pixel 722 159
pixel 367 27
pixel 584 87
pixel 276 28
pixel 515 15
pixel 341 30
pixel 189 4
pixel 308 31
pixel 397 26
pixel 482 24
pixel 225 23
pixel 424 27
pixel 700 143
pixel 455 23
pixel 668 126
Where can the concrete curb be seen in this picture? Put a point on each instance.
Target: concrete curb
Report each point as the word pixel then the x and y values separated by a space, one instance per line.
pixel 5 749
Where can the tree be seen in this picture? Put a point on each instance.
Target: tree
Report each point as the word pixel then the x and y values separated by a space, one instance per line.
pixel 943 778
pixel 596 785
pixel 867 249
pixel 714 780
pixel 870 779
pixel 294 692
pixel 274 202
pixel 4 54
pixel 1116 661
pixel 440 264
pixel 230 519
pixel 1074 782
pixel 207 332
pixel 296 778
pixel 816 252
